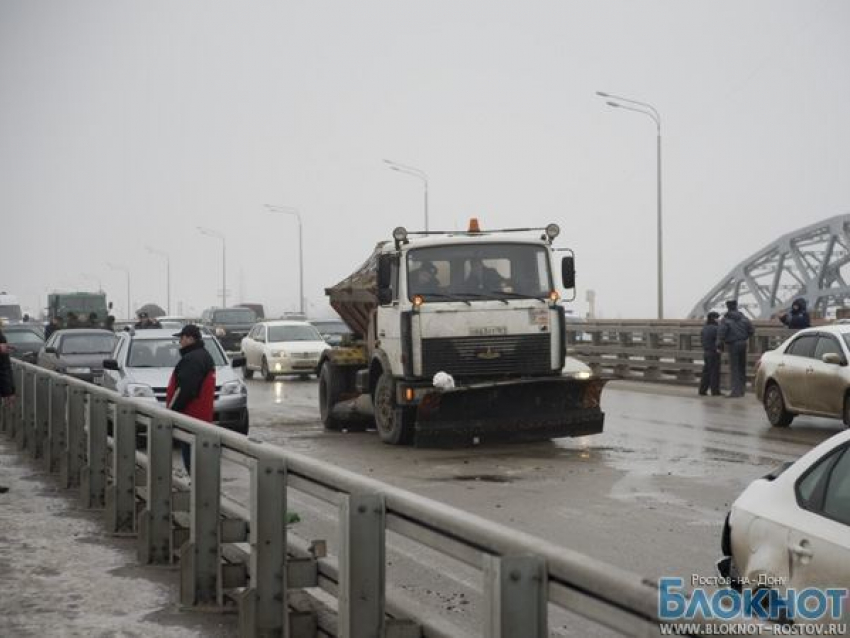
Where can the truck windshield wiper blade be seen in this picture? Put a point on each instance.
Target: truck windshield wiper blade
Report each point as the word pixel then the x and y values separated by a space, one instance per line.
pixel 518 295
pixel 445 295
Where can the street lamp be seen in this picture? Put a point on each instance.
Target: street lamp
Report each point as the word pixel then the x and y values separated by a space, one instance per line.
pixel 126 272
pixel 212 233
pixel 618 102
pixel 167 274
pixel 289 210
pixel 415 172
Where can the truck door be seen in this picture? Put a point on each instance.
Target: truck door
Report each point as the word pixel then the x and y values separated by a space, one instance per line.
pixel 388 325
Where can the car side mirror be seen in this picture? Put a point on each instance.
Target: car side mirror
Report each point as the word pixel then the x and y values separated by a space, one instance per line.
pixel 109 305
pixel 568 272
pixel 110 364
pixel 832 358
pixel 237 362
pixel 50 350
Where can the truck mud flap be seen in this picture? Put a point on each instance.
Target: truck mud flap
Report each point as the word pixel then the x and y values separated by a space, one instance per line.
pixel 526 410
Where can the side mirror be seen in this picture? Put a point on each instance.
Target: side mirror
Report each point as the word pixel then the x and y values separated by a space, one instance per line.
pixel 50 350
pixel 832 358
pixel 237 362
pixel 385 277
pixel 110 364
pixel 109 305
pixel 568 272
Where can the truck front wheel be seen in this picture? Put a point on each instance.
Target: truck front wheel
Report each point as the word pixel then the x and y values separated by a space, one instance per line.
pixel 394 424
pixel 330 389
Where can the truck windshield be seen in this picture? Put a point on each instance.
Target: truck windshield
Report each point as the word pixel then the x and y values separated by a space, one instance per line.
pixel 234 316
pixel 470 272
pixel 13 313
pixel 87 303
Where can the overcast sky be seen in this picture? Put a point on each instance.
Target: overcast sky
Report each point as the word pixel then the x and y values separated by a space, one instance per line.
pixel 128 124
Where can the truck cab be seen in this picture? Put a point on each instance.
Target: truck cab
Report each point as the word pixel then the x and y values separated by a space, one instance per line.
pixel 461 334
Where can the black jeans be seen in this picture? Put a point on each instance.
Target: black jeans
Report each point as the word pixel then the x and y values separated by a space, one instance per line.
pixel 710 379
pixel 738 367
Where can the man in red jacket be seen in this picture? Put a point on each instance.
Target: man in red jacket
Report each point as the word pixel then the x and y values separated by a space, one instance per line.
pixel 191 390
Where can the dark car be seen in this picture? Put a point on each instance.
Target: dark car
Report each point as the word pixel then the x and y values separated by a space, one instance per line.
pixel 78 352
pixel 229 325
pixel 26 340
pixel 334 331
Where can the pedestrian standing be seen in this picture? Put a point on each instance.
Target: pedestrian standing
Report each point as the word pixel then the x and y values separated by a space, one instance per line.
pixel 191 389
pixel 51 327
pixel 7 381
pixel 798 318
pixel 710 379
pixel 733 334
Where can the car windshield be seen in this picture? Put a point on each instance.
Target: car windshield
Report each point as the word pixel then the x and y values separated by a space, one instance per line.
pixel 293 333
pixel 87 344
pixel 12 312
pixel 22 337
pixel 165 353
pixel 470 272
pixel 234 316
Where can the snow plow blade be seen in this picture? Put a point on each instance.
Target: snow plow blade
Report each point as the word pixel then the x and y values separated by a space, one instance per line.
pixel 520 410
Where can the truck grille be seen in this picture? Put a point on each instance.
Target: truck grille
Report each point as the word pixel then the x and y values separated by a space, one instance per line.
pixel 487 356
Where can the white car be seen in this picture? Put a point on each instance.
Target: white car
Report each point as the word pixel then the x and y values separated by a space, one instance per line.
pixel 282 347
pixel 791 528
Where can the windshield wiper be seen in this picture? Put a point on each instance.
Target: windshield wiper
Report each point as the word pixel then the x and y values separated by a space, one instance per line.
pixel 445 295
pixel 517 295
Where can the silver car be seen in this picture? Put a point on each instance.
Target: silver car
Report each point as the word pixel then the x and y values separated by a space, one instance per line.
pixel 807 374
pixel 142 363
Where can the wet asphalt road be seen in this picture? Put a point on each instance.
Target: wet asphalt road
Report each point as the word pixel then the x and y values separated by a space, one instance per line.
pixel 649 494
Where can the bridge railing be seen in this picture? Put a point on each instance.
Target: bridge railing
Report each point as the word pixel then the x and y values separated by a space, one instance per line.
pixel 658 351
pixel 240 553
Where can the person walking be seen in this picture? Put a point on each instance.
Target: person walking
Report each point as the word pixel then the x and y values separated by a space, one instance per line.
pixel 7 381
pixel 51 327
pixel 191 389
pixel 710 379
pixel 798 317
pixel 733 334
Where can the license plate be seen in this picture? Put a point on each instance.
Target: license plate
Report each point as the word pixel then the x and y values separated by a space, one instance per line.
pixel 488 331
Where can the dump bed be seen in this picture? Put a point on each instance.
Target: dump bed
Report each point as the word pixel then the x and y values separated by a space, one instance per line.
pixel 356 297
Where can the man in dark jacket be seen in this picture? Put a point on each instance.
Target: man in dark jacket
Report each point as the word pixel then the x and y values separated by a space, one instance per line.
pixel 191 389
pixel 733 334
pixel 710 357
pixel 7 381
pixel 799 316
pixel 51 327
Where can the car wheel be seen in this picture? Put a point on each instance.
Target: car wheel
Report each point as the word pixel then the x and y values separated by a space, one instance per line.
pixel 244 422
pixel 395 426
pixel 247 373
pixel 330 391
pixel 264 370
pixel 774 407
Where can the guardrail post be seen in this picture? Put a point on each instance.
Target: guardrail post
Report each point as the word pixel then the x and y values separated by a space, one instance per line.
pixel 71 460
pixel 362 566
pixel 93 475
pixel 155 520
pixel 121 494
pixel 57 427
pixel 515 592
pixel 42 414
pixel 21 431
pixel 263 607
pixel 200 556
pixel 31 425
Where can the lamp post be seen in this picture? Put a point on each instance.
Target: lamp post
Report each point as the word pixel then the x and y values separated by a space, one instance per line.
pixel 415 172
pixel 213 233
pixel 162 253
pixel 289 210
pixel 618 102
pixel 126 272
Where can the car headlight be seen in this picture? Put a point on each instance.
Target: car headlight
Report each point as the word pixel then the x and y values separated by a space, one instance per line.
pixel 138 390
pixel 78 370
pixel 280 353
pixel 233 387
pixel 582 374
pixel 220 332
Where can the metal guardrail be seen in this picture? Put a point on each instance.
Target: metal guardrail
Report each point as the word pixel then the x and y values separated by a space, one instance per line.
pixel 658 351
pixel 229 552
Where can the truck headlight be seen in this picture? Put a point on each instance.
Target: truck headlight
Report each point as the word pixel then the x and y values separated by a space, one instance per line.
pixel 138 390
pixel 220 332
pixel 233 387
